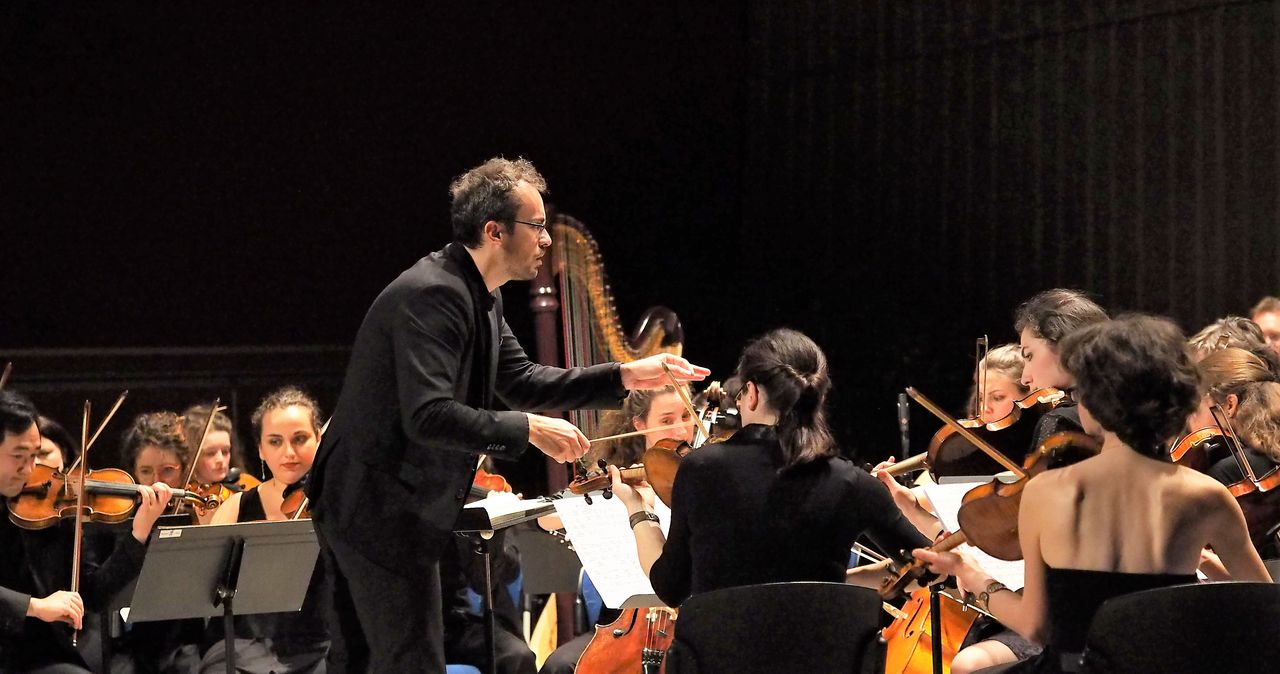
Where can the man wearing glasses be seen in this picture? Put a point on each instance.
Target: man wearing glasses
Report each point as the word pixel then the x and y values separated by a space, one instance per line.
pixel 416 407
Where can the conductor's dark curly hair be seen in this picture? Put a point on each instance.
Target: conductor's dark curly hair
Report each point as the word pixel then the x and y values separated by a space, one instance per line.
pixel 1135 377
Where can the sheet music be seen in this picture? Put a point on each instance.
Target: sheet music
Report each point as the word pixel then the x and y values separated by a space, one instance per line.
pixel 946 500
pixel 501 503
pixel 603 540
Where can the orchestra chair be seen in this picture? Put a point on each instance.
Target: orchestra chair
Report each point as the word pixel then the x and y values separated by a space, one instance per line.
pixel 778 627
pixel 1206 627
pixel 460 669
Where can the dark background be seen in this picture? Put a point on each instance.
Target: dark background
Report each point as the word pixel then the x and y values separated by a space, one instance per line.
pixel 891 177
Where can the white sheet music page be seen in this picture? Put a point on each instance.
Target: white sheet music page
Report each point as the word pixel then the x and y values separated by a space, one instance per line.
pixel 603 540
pixel 500 503
pixel 946 500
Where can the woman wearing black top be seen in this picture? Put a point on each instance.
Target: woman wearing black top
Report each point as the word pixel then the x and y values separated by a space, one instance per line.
pixel 287 424
pixel 774 503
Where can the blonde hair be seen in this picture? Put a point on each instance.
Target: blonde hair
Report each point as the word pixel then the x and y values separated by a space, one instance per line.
pixel 1258 418
pixel 1005 360
pixel 194 419
pixel 1231 370
pixel 626 451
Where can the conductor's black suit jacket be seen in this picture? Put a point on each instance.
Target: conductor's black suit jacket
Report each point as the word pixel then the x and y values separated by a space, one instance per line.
pixel 395 464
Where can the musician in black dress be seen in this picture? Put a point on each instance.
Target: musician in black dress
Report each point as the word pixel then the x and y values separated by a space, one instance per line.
pixel 1124 520
pixel 36 608
pixel 774 503
pixel 287 425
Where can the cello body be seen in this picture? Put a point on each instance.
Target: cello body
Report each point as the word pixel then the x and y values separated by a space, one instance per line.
pixel 909 641
pixel 635 643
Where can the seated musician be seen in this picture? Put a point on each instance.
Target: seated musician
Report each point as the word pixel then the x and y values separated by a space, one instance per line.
pixel 287 425
pixel 155 448
pixel 57 448
pixel 35 615
pixel 1235 380
pixel 1266 313
pixel 1125 520
pixel 774 503
pixel 215 457
pixel 641 410
pixel 1231 331
pixel 988 642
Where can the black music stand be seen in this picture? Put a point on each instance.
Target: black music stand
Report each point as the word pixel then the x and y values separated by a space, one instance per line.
pixel 480 525
pixel 227 570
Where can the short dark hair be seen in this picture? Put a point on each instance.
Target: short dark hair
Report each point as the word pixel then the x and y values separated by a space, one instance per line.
pixel 484 193
pixel 1053 314
pixel 793 370
pixel 17 413
pixel 1135 377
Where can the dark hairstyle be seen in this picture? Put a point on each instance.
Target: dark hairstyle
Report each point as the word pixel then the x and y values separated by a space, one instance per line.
pixel 194 419
pixel 792 369
pixel 1266 305
pixel 162 430
pixel 1231 331
pixel 1135 377
pixel 484 193
pixel 17 413
pixel 281 398
pixel 1053 314
pixel 66 443
pixel 627 451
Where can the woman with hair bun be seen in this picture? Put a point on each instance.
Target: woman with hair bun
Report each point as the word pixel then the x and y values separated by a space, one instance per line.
pixel 1125 520
pixel 774 503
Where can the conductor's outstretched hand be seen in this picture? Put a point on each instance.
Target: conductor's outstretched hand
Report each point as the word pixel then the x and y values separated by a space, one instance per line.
pixel 647 373
pixel 557 438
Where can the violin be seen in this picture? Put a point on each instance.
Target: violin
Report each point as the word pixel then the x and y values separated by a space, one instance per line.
pixel 1196 450
pixel 950 453
pixel 639 637
pixel 658 467
pixel 1257 495
pixel 234 482
pixel 909 642
pixel 989 513
pixel 110 494
pixel 490 482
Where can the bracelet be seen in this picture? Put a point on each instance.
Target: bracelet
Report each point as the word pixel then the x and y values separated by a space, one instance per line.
pixel 984 597
pixel 643 516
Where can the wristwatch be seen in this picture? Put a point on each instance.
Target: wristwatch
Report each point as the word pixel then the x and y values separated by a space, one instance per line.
pixel 984 597
pixel 642 516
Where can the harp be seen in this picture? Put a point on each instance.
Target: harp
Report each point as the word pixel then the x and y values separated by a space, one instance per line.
pixel 574 306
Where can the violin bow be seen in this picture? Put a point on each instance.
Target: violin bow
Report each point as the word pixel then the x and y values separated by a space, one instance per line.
pixel 4 376
pixel 966 433
pixel 631 434
pixel 688 404
pixel 195 452
pixel 981 348
pixel 1233 444
pixel 79 527
pixel 306 500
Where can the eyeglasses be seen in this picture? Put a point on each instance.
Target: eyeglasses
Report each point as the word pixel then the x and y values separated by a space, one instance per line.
pixel 542 228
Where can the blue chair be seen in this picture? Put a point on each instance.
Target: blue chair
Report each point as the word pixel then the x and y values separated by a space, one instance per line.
pixel 592 602
pixel 460 669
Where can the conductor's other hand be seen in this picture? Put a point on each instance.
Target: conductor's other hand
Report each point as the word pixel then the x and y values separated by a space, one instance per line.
pixel 557 438
pixel 647 373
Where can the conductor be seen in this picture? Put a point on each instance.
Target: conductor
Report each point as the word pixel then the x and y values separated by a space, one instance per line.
pixel 395 465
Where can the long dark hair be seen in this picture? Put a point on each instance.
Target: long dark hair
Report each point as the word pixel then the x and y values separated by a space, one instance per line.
pixel 792 369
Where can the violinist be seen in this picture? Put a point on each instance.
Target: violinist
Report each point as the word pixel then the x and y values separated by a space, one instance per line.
pixel 1231 331
pixel 774 503
pixel 34 612
pixel 1125 520
pixel 155 448
pixel 215 457
pixel 641 410
pixel 57 447
pixel 287 424
pixel 1266 313
pixel 1236 381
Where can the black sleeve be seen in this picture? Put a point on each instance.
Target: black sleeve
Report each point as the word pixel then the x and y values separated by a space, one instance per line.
pixel 13 611
pixel 883 522
pixel 102 580
pixel 672 573
pixel 429 336
pixel 1061 418
pixel 525 385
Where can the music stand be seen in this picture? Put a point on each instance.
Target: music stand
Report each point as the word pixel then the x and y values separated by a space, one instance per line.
pixel 227 570
pixel 480 524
